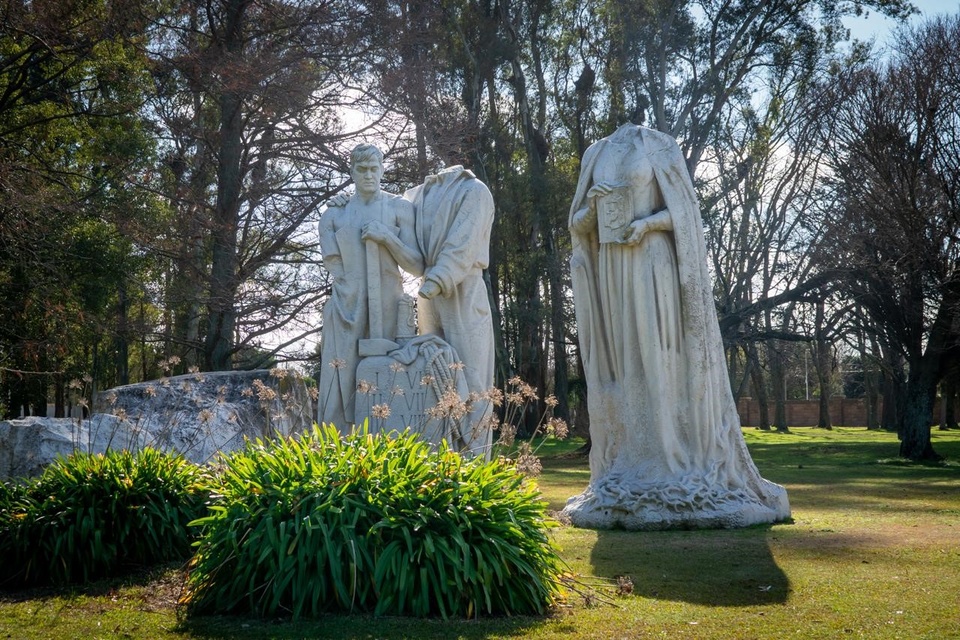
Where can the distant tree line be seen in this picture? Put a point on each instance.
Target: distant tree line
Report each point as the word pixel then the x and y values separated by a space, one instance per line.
pixel 163 165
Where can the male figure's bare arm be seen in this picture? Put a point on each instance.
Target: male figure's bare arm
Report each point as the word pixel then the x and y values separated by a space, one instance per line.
pixel 329 248
pixel 402 247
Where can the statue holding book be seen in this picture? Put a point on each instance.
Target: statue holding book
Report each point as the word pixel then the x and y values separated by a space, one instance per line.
pixel 667 450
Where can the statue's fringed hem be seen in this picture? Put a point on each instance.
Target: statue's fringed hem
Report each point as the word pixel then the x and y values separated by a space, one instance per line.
pixel 611 503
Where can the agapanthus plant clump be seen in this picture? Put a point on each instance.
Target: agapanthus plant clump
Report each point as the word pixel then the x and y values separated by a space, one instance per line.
pixel 367 523
pixel 90 516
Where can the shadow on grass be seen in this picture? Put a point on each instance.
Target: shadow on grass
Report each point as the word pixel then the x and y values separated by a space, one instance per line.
pixel 357 627
pixel 709 567
pixel 733 568
pixel 164 577
pixel 843 447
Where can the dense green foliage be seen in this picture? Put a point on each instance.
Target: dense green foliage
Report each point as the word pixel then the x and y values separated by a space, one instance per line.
pixel 74 152
pixel 371 524
pixel 91 516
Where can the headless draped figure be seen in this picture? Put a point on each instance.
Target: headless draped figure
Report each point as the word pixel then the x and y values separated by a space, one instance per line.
pixel 667 450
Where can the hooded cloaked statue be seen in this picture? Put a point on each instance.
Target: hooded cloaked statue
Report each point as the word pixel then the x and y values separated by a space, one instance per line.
pixel 667 449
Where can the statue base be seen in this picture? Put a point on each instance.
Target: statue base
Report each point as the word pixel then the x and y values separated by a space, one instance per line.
pixel 402 390
pixel 615 502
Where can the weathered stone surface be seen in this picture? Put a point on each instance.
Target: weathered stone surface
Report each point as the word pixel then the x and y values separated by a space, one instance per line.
pixel 29 444
pixel 212 411
pixel 364 240
pixel 197 415
pixel 454 214
pixel 439 231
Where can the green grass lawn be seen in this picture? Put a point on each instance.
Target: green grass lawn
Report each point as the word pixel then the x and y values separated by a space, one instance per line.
pixel 873 552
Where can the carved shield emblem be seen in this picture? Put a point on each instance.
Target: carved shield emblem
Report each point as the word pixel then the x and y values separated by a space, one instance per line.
pixel 614 215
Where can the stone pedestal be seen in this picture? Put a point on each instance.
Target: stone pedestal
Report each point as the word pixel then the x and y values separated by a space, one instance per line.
pixel 421 388
pixel 396 397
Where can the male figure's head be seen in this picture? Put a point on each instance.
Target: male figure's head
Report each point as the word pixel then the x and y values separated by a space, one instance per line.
pixel 366 169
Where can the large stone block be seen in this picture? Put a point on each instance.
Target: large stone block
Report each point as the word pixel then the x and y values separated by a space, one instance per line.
pixel 255 404
pixel 197 415
pixel 29 444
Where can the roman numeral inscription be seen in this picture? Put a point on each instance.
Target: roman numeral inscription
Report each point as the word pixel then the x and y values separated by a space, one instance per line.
pixel 396 397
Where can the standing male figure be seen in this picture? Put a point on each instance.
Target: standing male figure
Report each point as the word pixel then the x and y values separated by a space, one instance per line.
pixel 369 213
pixel 453 223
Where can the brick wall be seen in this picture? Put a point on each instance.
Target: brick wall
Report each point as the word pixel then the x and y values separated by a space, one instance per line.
pixel 805 413
pixel 844 412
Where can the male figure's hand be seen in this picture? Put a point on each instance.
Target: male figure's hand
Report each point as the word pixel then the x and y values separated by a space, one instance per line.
pixel 430 289
pixel 339 200
pixel 376 231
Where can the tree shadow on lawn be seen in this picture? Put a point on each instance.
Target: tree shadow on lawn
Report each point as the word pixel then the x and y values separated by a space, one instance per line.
pixel 733 568
pixel 358 627
pixel 160 585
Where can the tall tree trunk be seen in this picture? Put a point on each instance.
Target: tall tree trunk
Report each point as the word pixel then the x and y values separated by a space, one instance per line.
pixel 413 54
pixel 59 397
pixel 581 422
pixel 493 276
pixel 188 279
pixel 759 387
pixel 869 380
pixel 144 367
pixel 558 330
pixel 894 392
pixel 733 371
pixel 871 396
pixel 188 287
pixel 925 372
pixel 822 359
pixel 122 341
pixel 893 389
pixel 15 395
pixel 915 442
pixel 614 71
pixel 778 383
pixel 948 400
pixel 534 359
pixel 222 318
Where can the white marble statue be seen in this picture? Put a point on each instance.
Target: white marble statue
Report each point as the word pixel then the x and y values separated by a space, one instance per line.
pixel 667 449
pixel 439 230
pixel 367 287
pixel 454 217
